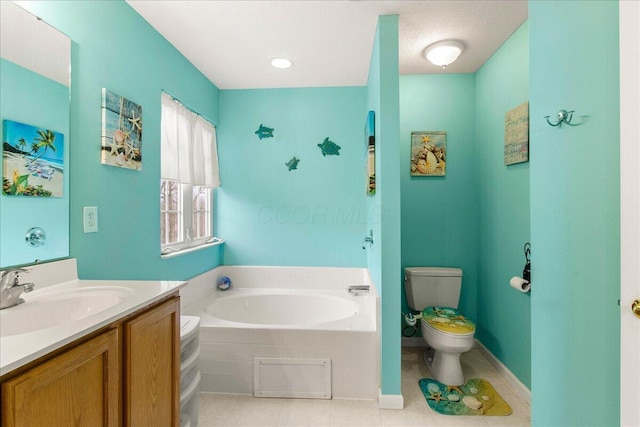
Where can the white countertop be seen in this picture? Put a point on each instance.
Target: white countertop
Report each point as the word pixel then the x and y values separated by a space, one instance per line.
pixel 18 350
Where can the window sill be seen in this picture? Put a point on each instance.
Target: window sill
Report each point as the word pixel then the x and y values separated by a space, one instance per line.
pixel 216 241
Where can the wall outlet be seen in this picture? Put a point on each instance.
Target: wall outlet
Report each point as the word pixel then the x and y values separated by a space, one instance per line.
pixel 90 219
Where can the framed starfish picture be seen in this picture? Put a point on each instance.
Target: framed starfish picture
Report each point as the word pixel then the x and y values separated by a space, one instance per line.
pixel 428 153
pixel 121 131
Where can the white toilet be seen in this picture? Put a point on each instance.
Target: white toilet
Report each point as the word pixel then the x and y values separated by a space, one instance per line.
pixel 435 292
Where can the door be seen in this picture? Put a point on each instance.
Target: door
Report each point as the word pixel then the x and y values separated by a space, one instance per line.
pixel 152 367
pixel 80 387
pixel 629 212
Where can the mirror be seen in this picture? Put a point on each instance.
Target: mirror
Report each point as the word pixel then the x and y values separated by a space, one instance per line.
pixel 34 87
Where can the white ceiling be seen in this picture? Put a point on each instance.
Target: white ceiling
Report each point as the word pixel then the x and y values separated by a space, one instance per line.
pixel 33 44
pixel 330 42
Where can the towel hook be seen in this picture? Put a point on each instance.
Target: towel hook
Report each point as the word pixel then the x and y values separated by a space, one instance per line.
pixel 564 116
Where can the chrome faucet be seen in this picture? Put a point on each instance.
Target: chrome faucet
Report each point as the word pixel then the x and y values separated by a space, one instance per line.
pixel 11 288
pixel 368 239
pixel 358 289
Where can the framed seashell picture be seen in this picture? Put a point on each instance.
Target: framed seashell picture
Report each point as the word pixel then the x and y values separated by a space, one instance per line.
pixel 428 153
pixel 121 131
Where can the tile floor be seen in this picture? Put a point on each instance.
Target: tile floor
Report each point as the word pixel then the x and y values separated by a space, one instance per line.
pixel 245 410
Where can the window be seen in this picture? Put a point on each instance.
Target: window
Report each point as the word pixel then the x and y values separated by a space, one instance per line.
pixel 189 176
pixel 177 227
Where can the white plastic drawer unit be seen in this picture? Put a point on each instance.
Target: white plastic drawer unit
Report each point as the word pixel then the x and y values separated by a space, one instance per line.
pixel 190 402
pixel 189 336
pixel 189 368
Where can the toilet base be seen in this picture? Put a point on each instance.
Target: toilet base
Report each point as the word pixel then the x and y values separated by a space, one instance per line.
pixel 427 356
pixel 445 367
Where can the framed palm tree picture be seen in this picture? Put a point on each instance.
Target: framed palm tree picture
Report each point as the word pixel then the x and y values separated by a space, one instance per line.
pixel 32 160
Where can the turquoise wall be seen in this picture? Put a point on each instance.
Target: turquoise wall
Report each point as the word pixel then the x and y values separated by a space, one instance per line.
pixel 314 215
pixel 383 209
pixel 113 47
pixel 374 223
pixel 504 315
pixel 30 98
pixel 575 207
pixel 440 214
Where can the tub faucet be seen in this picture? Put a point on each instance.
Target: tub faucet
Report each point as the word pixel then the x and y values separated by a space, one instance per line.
pixel 358 289
pixel 368 239
pixel 11 288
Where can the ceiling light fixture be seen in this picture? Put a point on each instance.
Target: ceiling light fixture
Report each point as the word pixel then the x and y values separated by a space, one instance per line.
pixel 443 53
pixel 281 62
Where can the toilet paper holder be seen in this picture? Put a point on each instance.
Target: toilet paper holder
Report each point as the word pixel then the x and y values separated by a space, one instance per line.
pixel 526 272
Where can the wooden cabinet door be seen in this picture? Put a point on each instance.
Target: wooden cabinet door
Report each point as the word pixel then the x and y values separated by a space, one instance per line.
pixel 152 367
pixel 80 387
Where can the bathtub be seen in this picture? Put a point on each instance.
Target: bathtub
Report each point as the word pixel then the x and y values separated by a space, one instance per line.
pixel 285 313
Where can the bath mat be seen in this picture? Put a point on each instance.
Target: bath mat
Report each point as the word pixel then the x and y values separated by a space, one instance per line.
pixel 475 397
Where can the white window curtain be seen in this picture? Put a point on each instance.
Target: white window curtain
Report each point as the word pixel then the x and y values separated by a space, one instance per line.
pixel 189 148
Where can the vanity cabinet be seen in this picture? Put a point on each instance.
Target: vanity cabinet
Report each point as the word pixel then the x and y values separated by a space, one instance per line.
pixel 127 373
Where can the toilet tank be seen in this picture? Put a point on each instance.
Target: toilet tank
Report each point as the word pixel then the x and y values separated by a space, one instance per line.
pixel 432 286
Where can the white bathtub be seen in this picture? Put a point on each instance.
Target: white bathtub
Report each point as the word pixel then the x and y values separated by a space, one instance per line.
pixel 311 318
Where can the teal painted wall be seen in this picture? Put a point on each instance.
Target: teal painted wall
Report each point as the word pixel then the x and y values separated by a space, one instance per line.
pixel 575 207
pixel 504 315
pixel 312 216
pixel 383 209
pixel 374 224
pixel 133 60
pixel 23 96
pixel 440 214
pixel 480 209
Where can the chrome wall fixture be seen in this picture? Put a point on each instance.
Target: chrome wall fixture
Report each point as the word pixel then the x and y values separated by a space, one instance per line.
pixel 563 116
pixel 369 240
pixel 35 237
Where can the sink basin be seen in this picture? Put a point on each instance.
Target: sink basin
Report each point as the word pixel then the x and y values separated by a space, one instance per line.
pixel 50 307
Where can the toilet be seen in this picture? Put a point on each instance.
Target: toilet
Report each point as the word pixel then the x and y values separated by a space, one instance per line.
pixel 435 292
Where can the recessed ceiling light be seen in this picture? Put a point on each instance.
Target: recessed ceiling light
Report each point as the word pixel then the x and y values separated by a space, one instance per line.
pixel 443 53
pixel 281 62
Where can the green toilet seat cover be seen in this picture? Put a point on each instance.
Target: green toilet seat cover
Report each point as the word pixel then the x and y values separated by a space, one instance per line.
pixel 448 319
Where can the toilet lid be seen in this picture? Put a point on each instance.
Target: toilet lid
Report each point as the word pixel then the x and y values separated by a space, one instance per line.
pixel 448 319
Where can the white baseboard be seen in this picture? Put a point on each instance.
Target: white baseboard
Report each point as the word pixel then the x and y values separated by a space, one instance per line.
pixel 514 382
pixel 390 401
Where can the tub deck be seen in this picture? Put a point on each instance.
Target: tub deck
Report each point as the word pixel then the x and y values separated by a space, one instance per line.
pixel 363 320
pixel 228 348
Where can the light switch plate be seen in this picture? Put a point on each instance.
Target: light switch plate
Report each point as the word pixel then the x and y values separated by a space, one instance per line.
pixel 90 219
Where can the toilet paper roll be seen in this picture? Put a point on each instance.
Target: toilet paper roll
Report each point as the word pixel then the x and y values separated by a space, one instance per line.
pixel 520 284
